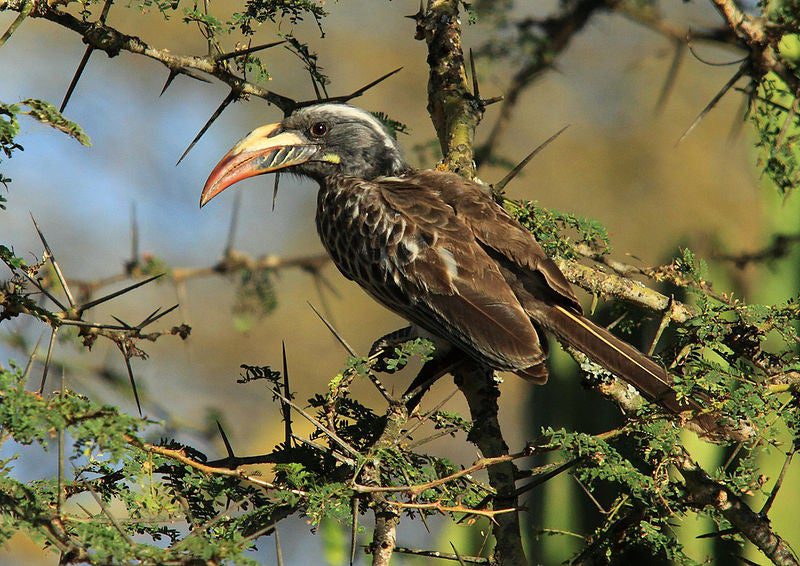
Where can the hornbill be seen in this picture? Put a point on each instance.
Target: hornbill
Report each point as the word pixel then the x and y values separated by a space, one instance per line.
pixel 436 249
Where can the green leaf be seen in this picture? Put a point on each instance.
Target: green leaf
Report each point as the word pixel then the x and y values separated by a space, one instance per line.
pixel 47 114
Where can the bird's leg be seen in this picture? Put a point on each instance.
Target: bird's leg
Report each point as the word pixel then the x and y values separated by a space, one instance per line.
pixel 383 348
pixel 429 374
pixel 445 359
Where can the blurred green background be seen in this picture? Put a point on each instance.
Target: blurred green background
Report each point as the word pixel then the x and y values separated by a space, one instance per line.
pixel 618 163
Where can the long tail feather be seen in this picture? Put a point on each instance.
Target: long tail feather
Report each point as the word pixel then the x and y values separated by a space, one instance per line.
pixel 631 365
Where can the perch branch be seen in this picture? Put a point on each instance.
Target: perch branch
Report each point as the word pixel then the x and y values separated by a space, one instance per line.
pixel 705 492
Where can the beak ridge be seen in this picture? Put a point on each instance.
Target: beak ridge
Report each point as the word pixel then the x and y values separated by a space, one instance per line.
pixel 264 150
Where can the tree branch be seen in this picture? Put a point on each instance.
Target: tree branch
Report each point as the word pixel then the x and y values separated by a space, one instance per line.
pixel 481 392
pixel 454 110
pixel 611 285
pixel 387 517
pixel 455 113
pixel 105 38
pixel 746 27
pixel 705 492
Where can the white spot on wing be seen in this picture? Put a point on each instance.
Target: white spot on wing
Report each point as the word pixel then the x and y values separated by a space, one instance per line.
pixel 449 261
pixel 413 249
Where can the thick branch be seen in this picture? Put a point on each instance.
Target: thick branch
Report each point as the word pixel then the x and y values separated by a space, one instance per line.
pixel 618 287
pixel 481 391
pixel 454 110
pixel 387 516
pixel 704 491
pixel 746 27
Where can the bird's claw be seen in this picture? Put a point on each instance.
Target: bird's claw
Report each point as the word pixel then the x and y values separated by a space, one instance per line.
pixel 382 349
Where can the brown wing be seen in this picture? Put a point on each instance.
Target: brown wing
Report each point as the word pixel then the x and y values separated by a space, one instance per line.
pixel 512 246
pixel 456 290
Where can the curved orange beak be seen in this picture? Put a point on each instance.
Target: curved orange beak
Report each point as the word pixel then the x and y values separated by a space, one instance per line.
pixel 264 150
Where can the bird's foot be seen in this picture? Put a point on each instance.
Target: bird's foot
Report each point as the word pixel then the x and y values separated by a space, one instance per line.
pixel 382 349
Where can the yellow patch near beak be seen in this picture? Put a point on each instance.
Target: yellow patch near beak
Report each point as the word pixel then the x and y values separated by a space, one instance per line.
pixel 332 158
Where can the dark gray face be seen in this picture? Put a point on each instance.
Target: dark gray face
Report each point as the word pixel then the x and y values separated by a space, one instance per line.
pixel 351 142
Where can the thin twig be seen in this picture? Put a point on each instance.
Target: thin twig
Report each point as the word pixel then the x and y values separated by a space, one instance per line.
pixel 441 555
pixel 322 428
pixel 778 483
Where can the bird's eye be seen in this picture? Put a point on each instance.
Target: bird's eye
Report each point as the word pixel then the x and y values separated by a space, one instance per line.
pixel 319 129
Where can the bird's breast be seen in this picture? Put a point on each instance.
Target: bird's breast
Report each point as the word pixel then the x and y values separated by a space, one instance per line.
pixel 368 241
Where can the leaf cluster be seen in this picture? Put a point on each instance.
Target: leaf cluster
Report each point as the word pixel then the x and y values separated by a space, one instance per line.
pixel 549 227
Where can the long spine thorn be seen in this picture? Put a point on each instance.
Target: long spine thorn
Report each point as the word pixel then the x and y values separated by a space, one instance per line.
pixel 287 410
pixel 325 282
pixel 237 206
pixel 124 324
pixel 376 82
pixel 732 81
pixel 326 308
pixel 48 358
pixel 458 554
pixel 669 82
pixel 352 95
pixel 54 263
pixel 498 187
pixel 126 355
pixel 76 77
pixel 546 477
pixel 321 427
pixel 152 318
pixel 171 77
pixel 333 331
pixel 275 189
pixel 475 90
pixel 115 294
pixel 232 96
pixel 44 291
pixel 493 100
pixel 317 93
pixel 248 51
pixel 84 60
pixel 191 73
pixel 225 441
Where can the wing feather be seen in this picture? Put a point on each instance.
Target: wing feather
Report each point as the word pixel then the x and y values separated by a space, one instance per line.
pixel 513 245
pixel 452 279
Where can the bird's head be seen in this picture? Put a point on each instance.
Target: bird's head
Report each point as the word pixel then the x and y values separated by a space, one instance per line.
pixel 316 141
